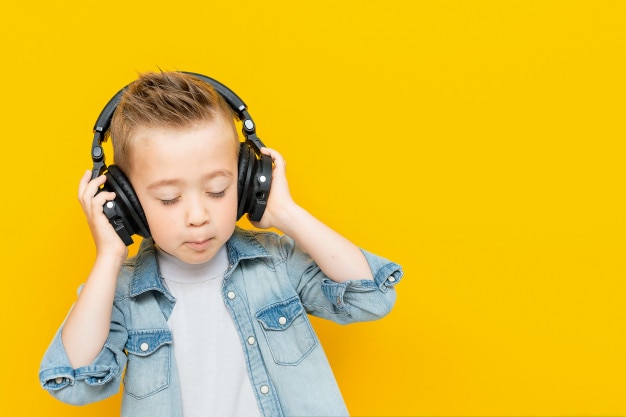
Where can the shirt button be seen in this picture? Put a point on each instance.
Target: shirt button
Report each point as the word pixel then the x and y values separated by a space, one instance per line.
pixel 144 346
pixel 391 279
pixel 230 295
pixel 282 321
pixel 251 340
pixel 58 380
pixel 264 389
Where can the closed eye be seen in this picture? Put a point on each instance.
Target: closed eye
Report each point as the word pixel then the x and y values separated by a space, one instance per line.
pixel 170 202
pixel 217 195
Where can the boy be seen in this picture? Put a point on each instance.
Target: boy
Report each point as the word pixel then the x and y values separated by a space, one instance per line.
pixel 207 319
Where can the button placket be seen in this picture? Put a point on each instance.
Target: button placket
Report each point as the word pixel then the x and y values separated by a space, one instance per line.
pixel 235 302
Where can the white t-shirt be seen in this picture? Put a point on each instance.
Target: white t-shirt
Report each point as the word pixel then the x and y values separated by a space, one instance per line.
pixel 211 366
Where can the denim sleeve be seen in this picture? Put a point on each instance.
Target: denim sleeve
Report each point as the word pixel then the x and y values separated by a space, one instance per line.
pixel 365 300
pixel 345 302
pixel 87 384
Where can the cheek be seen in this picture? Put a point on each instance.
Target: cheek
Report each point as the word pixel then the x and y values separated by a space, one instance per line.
pixel 158 218
pixel 230 210
pixel 223 213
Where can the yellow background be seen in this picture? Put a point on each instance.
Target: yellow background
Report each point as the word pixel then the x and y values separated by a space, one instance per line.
pixel 478 143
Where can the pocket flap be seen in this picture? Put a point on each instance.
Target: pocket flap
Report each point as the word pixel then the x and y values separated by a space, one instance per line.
pixel 280 315
pixel 146 342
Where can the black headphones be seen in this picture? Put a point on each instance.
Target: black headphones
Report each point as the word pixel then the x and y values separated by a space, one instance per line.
pixel 254 171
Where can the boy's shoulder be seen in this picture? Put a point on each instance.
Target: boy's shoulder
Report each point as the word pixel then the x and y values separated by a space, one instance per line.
pixel 125 277
pixel 252 237
pixel 139 272
pixel 247 243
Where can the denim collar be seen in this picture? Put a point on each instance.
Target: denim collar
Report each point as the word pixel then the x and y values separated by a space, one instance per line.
pixel 146 276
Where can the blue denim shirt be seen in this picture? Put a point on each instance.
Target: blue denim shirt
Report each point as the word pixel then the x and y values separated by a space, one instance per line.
pixel 269 286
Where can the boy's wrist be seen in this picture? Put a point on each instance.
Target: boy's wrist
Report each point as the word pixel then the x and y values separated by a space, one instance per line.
pixel 111 259
pixel 290 216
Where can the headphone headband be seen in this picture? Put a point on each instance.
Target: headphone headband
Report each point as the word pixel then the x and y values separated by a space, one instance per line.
pixel 103 123
pixel 239 107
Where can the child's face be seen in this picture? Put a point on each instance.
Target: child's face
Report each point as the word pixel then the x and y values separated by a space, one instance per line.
pixel 186 182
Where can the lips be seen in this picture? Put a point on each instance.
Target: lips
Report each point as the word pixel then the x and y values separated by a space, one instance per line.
pixel 199 244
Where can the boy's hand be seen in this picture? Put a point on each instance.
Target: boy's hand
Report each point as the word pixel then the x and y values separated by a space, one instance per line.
pixel 87 326
pixel 106 240
pixel 279 200
pixel 337 257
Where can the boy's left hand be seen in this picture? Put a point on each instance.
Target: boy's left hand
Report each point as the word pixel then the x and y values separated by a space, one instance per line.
pixel 337 257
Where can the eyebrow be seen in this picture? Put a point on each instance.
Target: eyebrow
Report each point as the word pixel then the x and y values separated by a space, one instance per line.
pixel 174 181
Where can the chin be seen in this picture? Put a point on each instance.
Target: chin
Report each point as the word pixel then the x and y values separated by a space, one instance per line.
pixel 197 258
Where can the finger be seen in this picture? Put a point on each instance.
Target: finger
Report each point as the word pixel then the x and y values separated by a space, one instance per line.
pixel 103 197
pixel 90 193
pixel 276 156
pixel 98 202
pixel 92 187
pixel 83 183
pixel 270 152
pixel 94 208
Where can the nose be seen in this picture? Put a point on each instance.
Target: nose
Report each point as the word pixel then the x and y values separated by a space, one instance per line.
pixel 197 212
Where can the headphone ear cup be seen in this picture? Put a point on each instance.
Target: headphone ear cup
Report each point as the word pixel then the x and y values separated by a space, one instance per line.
pixel 126 199
pixel 244 173
pixel 255 178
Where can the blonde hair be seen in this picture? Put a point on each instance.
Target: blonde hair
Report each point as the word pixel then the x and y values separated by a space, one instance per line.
pixel 169 100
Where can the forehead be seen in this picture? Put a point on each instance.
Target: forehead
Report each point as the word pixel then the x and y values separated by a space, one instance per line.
pixel 172 125
pixel 215 132
pixel 212 144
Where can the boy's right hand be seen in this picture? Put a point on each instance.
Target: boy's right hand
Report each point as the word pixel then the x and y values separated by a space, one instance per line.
pixel 88 324
pixel 108 243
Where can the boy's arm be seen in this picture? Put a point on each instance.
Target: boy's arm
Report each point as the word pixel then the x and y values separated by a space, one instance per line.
pixel 337 257
pixel 87 326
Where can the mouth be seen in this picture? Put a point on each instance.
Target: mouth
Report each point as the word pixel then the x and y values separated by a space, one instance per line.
pixel 199 244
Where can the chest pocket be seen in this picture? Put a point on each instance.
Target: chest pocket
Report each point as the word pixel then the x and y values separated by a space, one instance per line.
pixel 149 362
pixel 287 331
